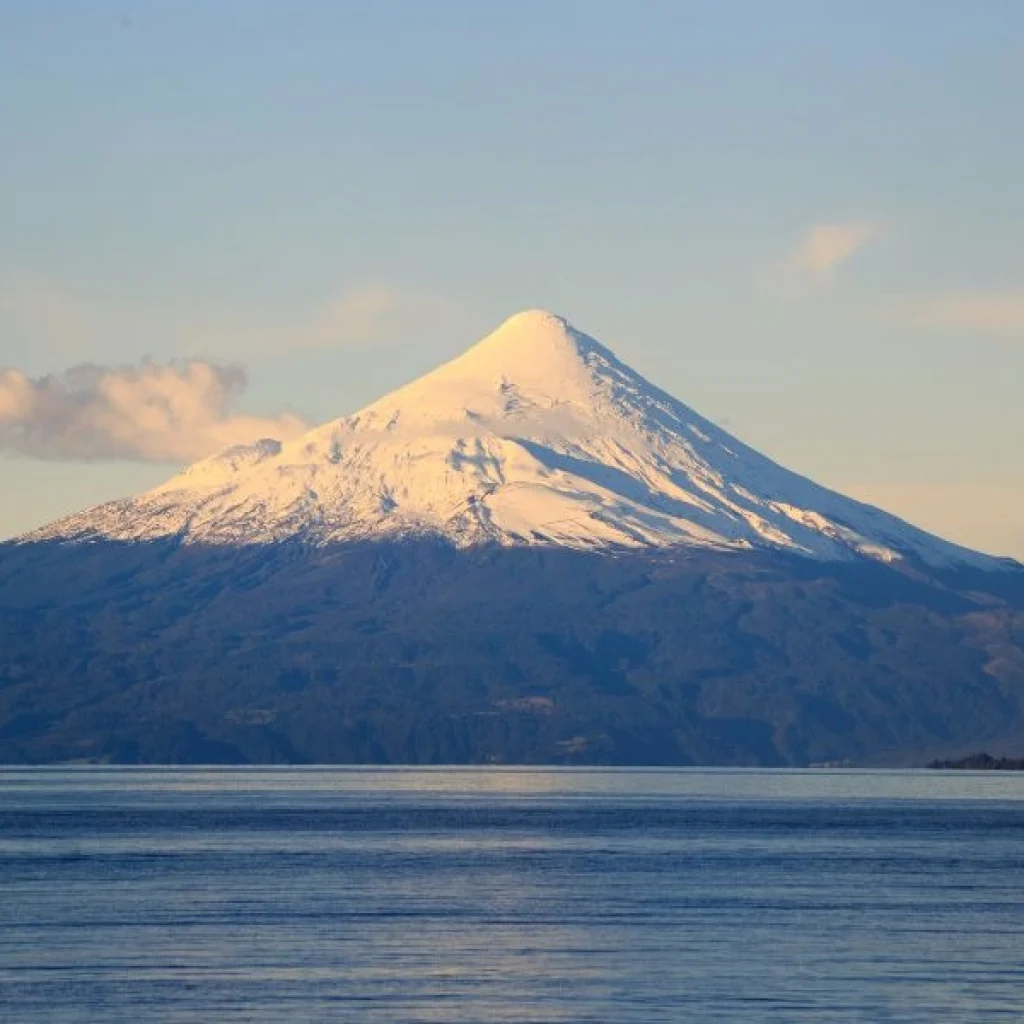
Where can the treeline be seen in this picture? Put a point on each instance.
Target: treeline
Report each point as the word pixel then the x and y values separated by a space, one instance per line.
pixel 983 763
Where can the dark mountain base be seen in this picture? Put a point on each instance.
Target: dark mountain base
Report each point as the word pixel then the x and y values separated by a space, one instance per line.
pixel 423 654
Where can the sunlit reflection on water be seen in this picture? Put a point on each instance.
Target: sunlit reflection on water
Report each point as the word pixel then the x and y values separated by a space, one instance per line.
pixel 510 895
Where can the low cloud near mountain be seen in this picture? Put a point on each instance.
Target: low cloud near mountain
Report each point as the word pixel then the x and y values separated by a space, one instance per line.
pixel 172 412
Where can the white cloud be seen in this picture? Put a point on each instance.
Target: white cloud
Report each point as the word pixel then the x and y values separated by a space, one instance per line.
pixel 176 412
pixel 827 246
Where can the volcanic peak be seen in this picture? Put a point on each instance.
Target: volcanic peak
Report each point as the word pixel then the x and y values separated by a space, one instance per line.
pixel 538 434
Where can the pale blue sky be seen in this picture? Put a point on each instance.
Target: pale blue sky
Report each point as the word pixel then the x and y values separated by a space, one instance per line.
pixel 804 219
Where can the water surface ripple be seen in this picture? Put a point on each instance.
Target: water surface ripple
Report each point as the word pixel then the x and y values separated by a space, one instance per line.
pixel 408 895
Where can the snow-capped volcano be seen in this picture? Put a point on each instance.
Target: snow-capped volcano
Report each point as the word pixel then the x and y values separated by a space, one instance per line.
pixel 536 435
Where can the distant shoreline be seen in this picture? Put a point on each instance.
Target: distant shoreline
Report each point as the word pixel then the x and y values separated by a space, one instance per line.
pixel 982 762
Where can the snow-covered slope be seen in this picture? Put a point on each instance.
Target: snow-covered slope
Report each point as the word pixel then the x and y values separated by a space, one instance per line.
pixel 536 435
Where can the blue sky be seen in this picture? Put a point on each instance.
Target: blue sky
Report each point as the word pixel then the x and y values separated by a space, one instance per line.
pixel 803 219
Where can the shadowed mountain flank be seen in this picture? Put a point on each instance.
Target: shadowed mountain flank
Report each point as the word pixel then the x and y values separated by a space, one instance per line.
pixel 420 652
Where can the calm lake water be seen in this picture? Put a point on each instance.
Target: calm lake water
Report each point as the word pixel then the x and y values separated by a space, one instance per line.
pixel 510 895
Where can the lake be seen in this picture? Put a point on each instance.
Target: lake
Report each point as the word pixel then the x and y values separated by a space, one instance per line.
pixel 493 894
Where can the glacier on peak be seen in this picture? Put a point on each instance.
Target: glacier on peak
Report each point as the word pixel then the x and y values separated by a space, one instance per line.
pixel 538 434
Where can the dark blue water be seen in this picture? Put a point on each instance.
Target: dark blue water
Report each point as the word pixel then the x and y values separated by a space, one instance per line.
pixel 510 895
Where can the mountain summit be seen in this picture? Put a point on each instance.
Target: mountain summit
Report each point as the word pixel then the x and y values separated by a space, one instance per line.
pixel 537 435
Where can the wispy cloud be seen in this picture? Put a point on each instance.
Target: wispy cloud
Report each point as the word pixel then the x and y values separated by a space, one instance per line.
pixel 818 255
pixel 176 412
pixel 66 319
pixel 826 247
pixel 364 314
pixel 1001 312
